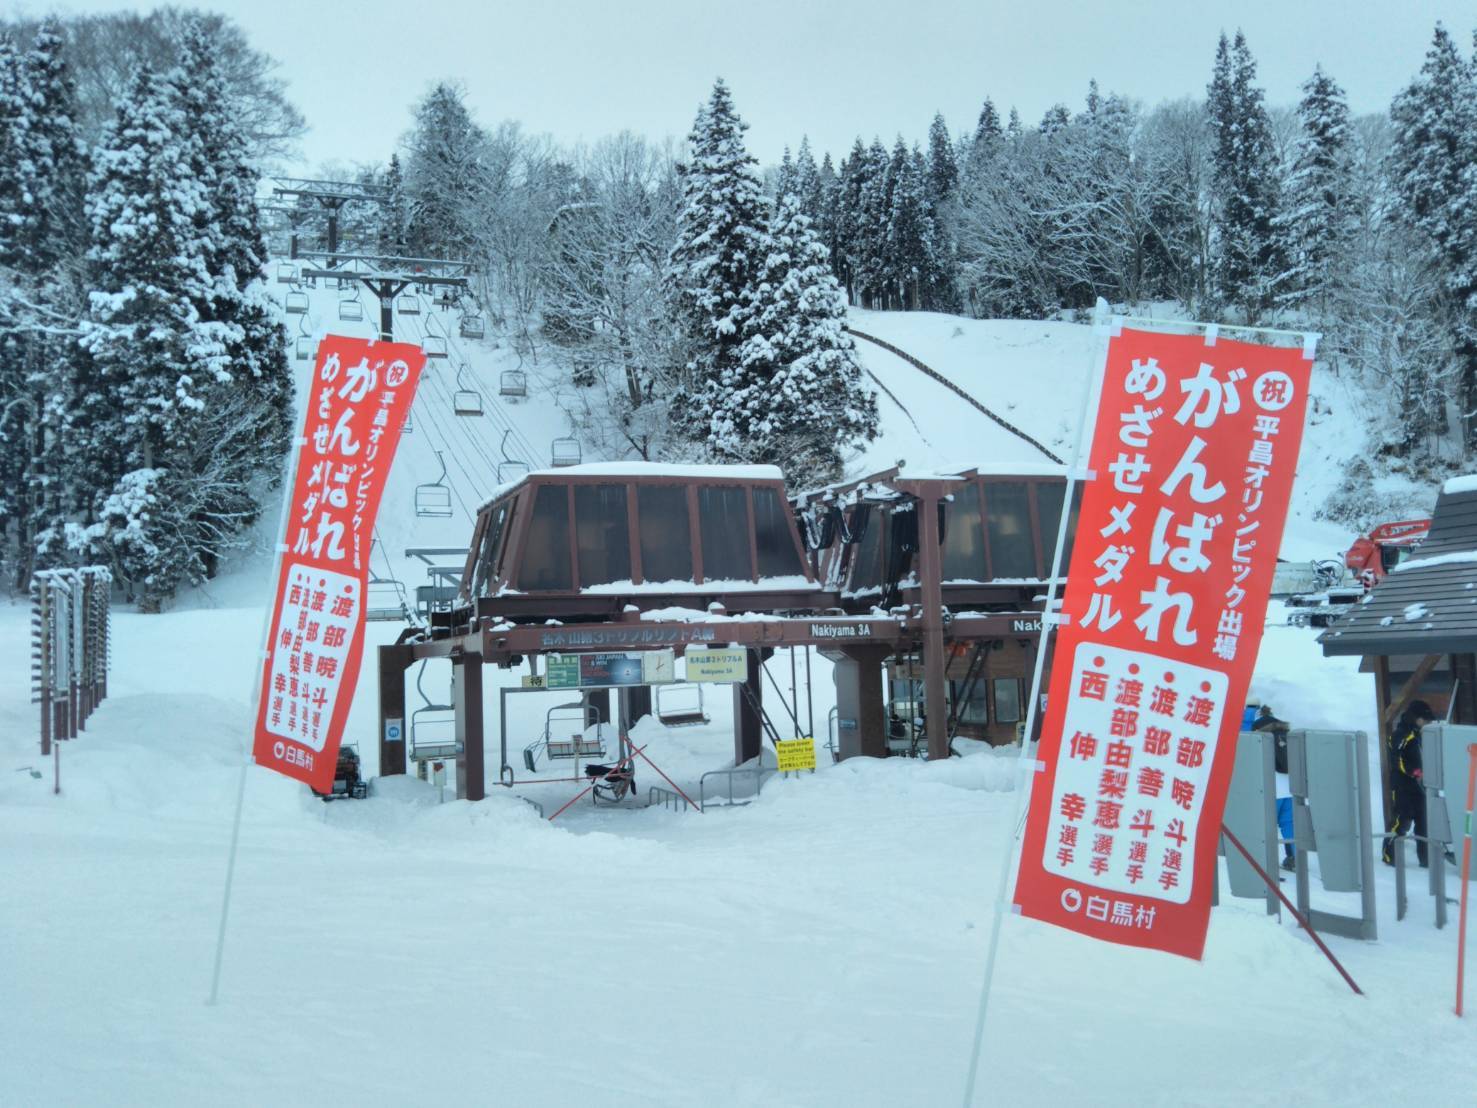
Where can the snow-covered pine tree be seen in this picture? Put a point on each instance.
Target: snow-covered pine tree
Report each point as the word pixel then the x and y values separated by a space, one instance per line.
pixel 943 169
pixel 940 289
pixel 721 241
pixel 911 265
pixel 987 132
pixel 153 364
pixel 392 235
pixel 1013 128
pixel 797 399
pixel 448 177
pixel 1434 167
pixel 41 205
pixel 784 178
pixel 878 174
pixel 1319 220
pixel 808 186
pixel 1057 116
pixel 846 218
pixel 1250 259
pixel 259 392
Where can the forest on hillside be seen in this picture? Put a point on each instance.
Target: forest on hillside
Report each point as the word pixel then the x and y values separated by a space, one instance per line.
pixel 694 299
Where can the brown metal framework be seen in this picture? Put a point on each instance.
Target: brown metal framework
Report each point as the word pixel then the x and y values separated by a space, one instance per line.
pixel 499 619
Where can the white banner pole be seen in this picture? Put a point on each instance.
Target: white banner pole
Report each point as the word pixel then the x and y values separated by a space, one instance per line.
pixel 1025 766
pixel 258 670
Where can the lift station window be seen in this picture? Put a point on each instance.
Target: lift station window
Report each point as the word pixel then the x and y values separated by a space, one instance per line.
pixel 666 538
pixel 545 564
pixel 486 561
pixel 973 710
pixel 1049 512
pixel 777 554
pixel 964 540
pixel 866 556
pixel 1008 516
pixel 601 534
pixel 1007 699
pixel 723 518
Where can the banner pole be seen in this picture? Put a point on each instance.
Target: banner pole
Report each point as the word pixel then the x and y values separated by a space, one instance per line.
pixel 258 677
pixel 1461 931
pixel 1025 775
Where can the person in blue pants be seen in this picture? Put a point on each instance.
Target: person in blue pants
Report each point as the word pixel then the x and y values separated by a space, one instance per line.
pixel 1259 717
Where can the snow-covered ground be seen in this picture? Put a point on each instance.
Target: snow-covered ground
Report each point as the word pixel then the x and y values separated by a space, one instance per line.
pixel 821 945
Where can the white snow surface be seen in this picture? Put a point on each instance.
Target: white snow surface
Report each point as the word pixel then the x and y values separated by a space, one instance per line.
pixel 822 945
pixel 1467 482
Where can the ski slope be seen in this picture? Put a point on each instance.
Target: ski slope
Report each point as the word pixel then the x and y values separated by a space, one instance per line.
pixel 822 945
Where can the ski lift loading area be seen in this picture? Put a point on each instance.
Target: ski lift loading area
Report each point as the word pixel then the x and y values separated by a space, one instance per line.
pixel 588 580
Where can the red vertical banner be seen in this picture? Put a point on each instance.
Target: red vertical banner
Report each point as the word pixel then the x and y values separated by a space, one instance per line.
pixel 1193 455
pixel 358 400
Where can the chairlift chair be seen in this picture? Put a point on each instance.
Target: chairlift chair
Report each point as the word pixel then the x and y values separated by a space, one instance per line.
pixel 565 452
pixel 303 348
pixel 680 705
pixel 432 728
pixel 384 600
pixel 286 273
pixel 434 346
pixel 465 401
pixel 408 303
pixel 508 472
pixel 472 327
pixel 514 382
pixel 434 499
pixel 409 425
pixel 297 302
pixel 350 309
pixel 565 735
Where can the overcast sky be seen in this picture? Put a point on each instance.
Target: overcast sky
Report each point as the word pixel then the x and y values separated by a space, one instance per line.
pixel 580 70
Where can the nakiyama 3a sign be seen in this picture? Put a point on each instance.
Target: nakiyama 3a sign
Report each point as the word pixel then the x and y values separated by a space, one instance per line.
pixel 1194 452
pixel 360 394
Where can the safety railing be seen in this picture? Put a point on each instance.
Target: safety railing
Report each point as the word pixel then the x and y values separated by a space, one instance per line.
pixel 758 771
pixel 667 798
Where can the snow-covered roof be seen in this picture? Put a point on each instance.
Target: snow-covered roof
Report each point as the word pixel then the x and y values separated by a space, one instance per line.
pixel 1428 604
pixel 982 469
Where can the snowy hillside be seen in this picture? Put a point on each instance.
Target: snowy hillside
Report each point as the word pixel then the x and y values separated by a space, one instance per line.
pixel 823 945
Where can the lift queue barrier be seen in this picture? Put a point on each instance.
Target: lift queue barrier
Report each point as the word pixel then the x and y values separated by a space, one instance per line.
pixel 1328 775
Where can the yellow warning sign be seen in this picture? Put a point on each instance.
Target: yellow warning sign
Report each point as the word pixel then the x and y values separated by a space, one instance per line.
pixel 795 754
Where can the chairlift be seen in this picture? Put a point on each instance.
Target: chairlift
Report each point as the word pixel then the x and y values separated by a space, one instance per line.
pixel 565 452
pixel 350 309
pixel 286 273
pixel 508 472
pixel 408 303
pixel 445 300
pixel 297 302
pixel 465 401
pixel 566 735
pixel 514 382
pixel 434 346
pixel 409 425
pixel 303 349
pixel 509 469
pixel 472 327
pixel 680 705
pixel 434 499
pixel 384 597
pixel 432 728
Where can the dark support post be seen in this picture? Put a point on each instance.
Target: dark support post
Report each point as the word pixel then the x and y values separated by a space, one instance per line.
pixel 599 699
pixel 1382 702
pixel 393 662
pixel 387 319
pixel 930 572
pixel 861 715
pixel 748 729
pixel 638 703
pixel 466 700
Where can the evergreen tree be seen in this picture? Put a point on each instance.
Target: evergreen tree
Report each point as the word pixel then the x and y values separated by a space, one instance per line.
pixel 943 169
pixel 1434 167
pixel 1013 128
pixel 987 132
pixel 1057 117
pixel 784 181
pixel 909 248
pixel 846 220
pixel 808 186
pixel 796 399
pixel 720 243
pixel 448 179
pixel 1250 260
pixel 869 264
pixel 1320 219
pixel 392 233
pixel 154 364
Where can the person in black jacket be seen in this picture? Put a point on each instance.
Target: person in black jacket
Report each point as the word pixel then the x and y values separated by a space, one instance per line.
pixel 1407 797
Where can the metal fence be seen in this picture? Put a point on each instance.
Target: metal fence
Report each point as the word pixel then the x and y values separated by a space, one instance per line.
pixel 71 646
